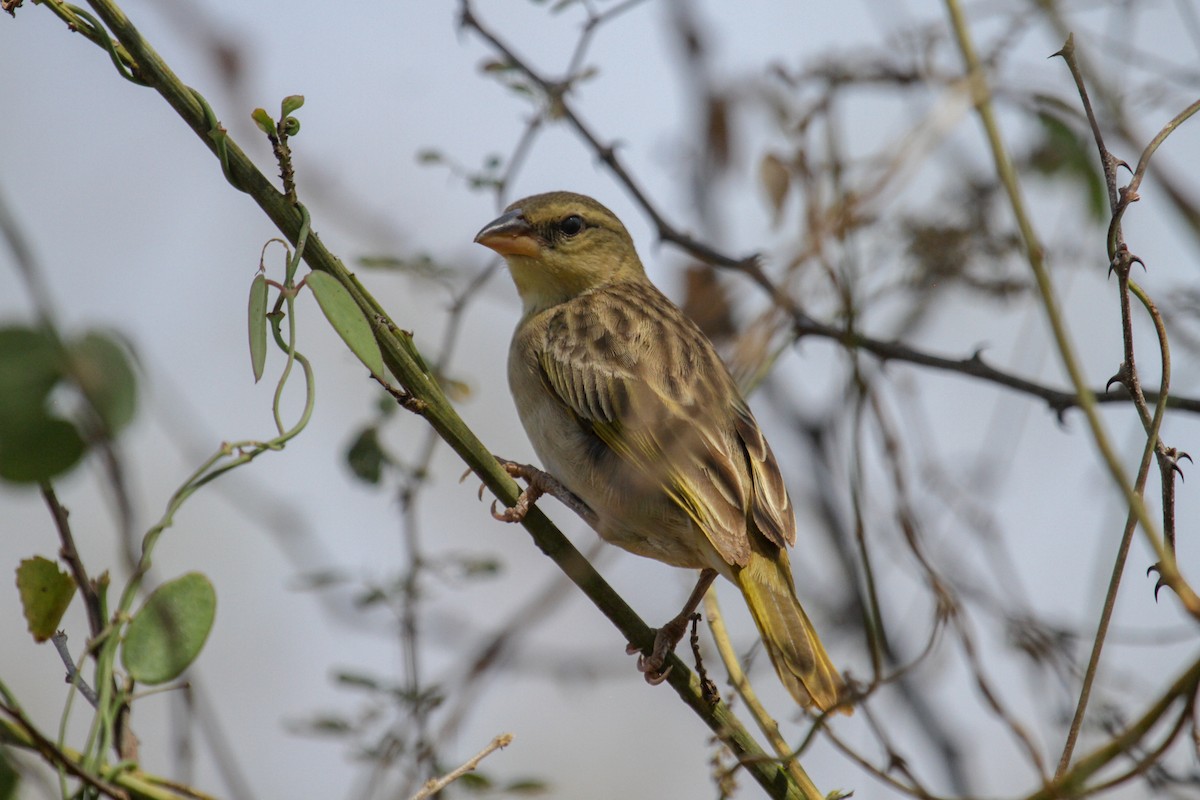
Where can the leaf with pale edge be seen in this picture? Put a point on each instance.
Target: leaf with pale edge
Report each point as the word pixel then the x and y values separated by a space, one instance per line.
pixel 257 322
pixel 46 592
pixel 347 319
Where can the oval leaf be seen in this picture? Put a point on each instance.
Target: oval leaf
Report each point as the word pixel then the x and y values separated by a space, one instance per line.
pixel 41 449
pixel 291 103
pixel 104 373
pixel 30 366
pixel 258 325
pixel 168 632
pixel 34 444
pixel 9 778
pixel 263 120
pixel 46 591
pixel 347 319
pixel 366 456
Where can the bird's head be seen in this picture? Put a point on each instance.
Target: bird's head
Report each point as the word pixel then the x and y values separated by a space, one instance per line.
pixel 559 245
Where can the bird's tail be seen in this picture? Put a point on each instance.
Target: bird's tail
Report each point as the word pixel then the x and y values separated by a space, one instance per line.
pixel 792 644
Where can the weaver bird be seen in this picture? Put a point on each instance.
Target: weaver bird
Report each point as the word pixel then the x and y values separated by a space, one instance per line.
pixel 630 408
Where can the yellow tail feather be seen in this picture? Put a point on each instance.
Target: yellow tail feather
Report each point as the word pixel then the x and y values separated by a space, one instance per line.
pixel 795 651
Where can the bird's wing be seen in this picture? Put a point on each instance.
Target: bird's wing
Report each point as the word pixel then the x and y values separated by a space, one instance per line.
pixel 640 377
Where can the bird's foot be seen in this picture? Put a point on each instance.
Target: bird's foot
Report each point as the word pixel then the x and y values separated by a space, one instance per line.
pixel 665 639
pixel 535 481
pixel 538 483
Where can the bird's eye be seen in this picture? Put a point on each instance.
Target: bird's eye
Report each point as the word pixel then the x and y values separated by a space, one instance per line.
pixel 570 226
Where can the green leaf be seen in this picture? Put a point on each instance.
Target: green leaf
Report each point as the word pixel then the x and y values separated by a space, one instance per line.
pixel 170 629
pixel 329 725
pixel 347 319
pixel 46 592
pixel 366 457
pixel 263 120
pixel 9 778
pixel 358 680
pixel 474 782
pixel 526 786
pixel 105 375
pixel 291 126
pixel 30 365
pixel 42 448
pixel 258 325
pixel 291 103
pixel 1063 150
pixel 34 444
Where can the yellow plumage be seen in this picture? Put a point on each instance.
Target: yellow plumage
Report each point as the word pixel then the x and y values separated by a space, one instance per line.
pixel 628 405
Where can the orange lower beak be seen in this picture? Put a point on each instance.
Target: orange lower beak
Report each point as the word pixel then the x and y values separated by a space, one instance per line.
pixel 510 235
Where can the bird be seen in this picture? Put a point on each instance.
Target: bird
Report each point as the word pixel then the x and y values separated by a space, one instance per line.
pixel 629 408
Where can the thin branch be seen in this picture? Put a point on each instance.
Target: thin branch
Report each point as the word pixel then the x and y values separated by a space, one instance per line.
pixel 1110 598
pixel 1035 255
pixel 1122 260
pixel 803 325
pixel 1072 784
pixel 34 740
pixel 741 684
pixel 59 640
pixel 435 785
pixel 406 363
pixel 87 589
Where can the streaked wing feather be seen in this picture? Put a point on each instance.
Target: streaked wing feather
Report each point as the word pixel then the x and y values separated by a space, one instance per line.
pixel 663 416
pixel 772 510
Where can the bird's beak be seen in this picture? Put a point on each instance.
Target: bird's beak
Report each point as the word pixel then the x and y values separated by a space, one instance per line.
pixel 510 235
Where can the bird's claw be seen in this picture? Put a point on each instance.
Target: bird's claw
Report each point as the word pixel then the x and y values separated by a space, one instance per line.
pixel 518 510
pixel 655 677
pixel 651 666
pixel 665 640
pixel 513 513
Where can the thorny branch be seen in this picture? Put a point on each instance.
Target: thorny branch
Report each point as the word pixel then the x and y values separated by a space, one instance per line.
pixel 1121 261
pixel 803 325
pixel 557 93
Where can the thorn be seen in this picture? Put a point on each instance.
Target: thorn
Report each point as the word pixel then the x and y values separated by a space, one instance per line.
pixel 1123 163
pixel 1122 373
pixel 1135 260
pixel 1067 49
pixel 1160 583
pixel 1174 456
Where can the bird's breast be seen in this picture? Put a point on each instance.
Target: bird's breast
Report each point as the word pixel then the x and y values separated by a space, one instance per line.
pixel 633 510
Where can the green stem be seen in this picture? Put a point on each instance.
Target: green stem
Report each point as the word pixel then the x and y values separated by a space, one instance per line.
pixel 405 362
pixel 1037 262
